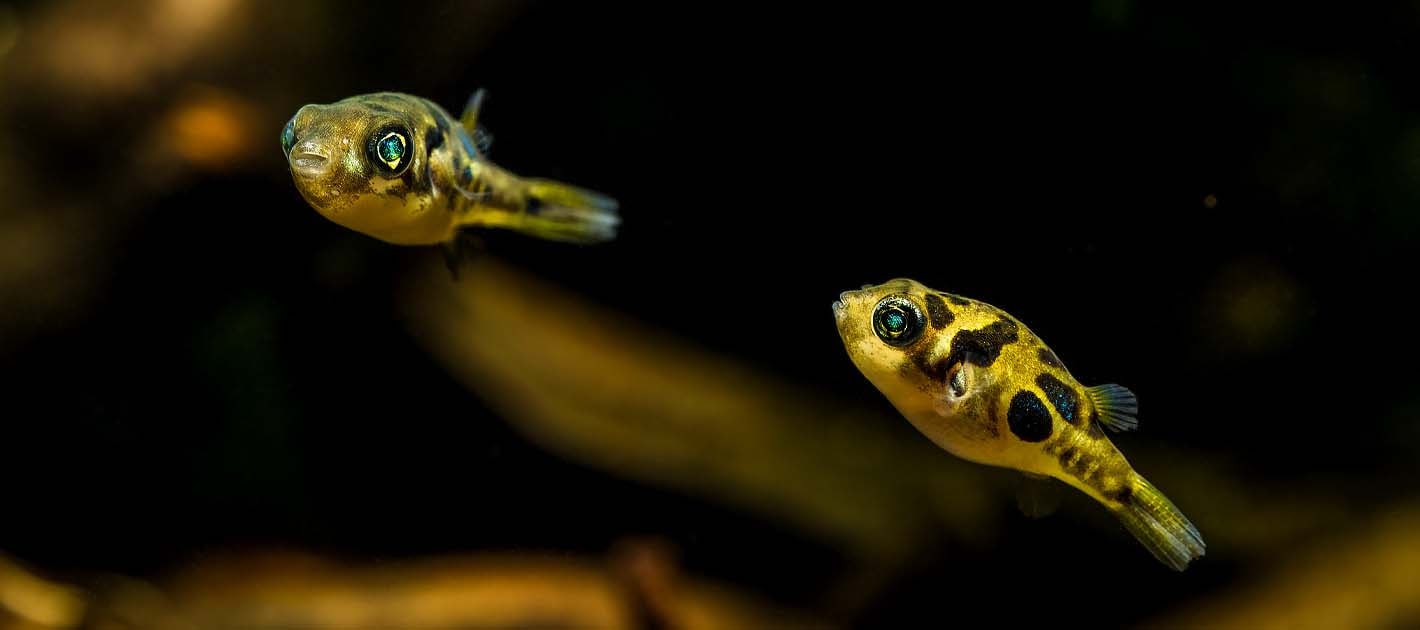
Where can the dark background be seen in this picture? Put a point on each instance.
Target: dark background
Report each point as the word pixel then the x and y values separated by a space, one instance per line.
pixel 1213 205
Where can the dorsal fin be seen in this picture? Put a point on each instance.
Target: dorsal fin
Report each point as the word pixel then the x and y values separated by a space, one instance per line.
pixel 1118 407
pixel 469 119
pixel 482 139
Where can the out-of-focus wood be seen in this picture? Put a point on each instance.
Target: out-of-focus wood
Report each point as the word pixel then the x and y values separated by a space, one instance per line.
pixel 278 591
pixel 1364 577
pixel 33 602
pixel 610 391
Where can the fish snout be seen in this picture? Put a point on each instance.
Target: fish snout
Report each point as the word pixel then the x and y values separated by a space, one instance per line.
pixel 309 159
pixel 844 301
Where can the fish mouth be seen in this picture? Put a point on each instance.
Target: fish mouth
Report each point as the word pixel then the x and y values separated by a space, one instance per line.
pixel 840 309
pixel 309 159
pixel 309 163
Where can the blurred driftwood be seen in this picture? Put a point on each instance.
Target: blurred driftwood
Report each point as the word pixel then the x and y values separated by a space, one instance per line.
pixel 609 391
pixel 30 601
pixel 1366 576
pixel 635 589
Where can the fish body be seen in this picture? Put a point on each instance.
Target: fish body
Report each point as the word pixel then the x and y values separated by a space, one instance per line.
pixel 401 169
pixel 981 385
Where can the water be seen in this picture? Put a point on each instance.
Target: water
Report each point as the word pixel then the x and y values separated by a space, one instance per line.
pixel 1213 207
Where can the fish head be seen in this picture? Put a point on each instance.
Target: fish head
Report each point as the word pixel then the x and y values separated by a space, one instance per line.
pixel 888 330
pixel 362 162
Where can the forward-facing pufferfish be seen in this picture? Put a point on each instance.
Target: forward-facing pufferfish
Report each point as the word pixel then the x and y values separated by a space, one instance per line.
pixel 401 169
pixel 982 386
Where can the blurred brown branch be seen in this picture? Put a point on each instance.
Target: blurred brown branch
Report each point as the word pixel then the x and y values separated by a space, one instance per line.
pixel 612 392
pixel 34 602
pixel 285 590
pixel 1365 577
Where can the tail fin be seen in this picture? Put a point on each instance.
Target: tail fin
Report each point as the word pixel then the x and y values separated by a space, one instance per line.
pixel 560 212
pixel 1164 530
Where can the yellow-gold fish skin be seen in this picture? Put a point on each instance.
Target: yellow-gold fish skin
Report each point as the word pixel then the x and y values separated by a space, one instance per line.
pixel 400 169
pixel 981 385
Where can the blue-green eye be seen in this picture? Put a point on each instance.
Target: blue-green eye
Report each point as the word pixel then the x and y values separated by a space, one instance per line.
pixel 897 320
pixel 389 149
pixel 288 136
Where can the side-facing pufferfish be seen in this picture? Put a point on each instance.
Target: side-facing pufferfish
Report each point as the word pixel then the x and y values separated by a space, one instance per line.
pixel 985 388
pixel 401 169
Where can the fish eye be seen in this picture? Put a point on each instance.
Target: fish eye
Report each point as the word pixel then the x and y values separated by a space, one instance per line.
pixel 898 321
pixel 389 150
pixel 288 136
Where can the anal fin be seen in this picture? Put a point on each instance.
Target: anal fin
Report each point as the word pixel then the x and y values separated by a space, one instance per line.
pixel 1037 496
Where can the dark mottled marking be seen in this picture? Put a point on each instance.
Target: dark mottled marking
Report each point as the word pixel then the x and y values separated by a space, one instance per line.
pixel 1047 357
pixel 533 205
pixel 983 346
pixel 993 411
pixel 1067 458
pixel 937 312
pixel 411 180
pixel 1061 396
pixel 433 140
pixel 1028 417
pixel 921 355
pixel 956 299
pixel 1124 493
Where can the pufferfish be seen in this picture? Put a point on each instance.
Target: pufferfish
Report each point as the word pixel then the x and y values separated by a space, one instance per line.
pixel 401 169
pixel 982 386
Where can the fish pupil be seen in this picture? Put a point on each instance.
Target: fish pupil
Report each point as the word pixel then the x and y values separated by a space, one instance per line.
pixel 895 321
pixel 391 149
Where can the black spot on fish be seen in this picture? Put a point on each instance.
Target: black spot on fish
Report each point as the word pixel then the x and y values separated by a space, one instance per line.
pixel 1028 417
pixel 993 411
pixel 937 312
pixel 1068 459
pixel 1047 357
pixel 534 205
pixel 956 299
pixel 433 139
pixel 465 174
pixel 921 356
pixel 1124 494
pixel 1060 396
pixel 982 346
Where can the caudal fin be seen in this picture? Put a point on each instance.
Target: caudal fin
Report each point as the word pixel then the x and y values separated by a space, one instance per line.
pixel 560 212
pixel 1163 530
